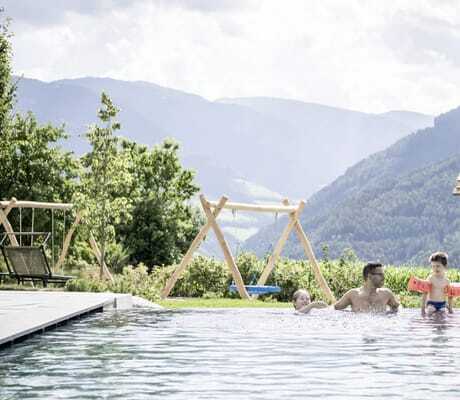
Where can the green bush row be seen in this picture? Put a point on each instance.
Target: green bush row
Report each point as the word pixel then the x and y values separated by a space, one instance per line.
pixel 208 277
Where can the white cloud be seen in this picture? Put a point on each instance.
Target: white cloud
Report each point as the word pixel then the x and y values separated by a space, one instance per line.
pixel 367 55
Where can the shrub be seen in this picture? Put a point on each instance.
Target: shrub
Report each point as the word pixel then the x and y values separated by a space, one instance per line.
pixel 209 278
pixel 133 280
pixel 203 275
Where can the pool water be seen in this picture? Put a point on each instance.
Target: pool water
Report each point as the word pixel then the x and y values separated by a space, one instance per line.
pixel 238 354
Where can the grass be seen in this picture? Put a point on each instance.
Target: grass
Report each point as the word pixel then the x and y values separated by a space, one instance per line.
pixel 220 303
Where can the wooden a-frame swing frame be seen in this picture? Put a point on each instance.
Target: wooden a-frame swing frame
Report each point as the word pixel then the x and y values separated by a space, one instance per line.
pixel 7 206
pixel 212 210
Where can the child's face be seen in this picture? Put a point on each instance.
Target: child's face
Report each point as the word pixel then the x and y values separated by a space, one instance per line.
pixel 302 300
pixel 438 268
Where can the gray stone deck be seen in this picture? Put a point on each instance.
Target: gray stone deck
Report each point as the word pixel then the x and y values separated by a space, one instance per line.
pixel 23 313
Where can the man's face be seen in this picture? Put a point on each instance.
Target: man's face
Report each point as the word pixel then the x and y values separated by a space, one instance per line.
pixel 376 277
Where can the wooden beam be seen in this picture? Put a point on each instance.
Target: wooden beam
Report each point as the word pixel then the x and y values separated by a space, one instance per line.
pixel 4 213
pixel 255 207
pixel 226 250
pixel 36 204
pixel 280 244
pixel 97 253
pixel 66 244
pixel 188 255
pixel 6 223
pixel 314 263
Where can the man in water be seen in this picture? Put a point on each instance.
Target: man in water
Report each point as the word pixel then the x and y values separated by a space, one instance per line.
pixel 371 297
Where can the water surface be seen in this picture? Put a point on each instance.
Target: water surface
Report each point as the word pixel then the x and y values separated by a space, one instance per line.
pixel 238 354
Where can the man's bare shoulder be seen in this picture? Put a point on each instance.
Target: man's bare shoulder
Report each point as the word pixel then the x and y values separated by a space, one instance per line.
pixel 353 292
pixel 385 291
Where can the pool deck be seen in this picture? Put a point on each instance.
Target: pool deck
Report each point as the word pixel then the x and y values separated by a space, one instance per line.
pixel 24 313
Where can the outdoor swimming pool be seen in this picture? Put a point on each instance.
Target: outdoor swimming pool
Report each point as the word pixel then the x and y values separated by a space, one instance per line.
pixel 237 354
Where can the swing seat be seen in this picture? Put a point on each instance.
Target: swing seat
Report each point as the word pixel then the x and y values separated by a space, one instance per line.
pixel 29 263
pixel 256 289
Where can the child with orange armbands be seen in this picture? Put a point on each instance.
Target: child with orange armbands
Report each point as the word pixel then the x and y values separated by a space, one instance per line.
pixel 436 288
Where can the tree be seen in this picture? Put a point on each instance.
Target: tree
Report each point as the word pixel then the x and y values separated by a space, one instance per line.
pixel 162 222
pixel 7 87
pixel 33 166
pixel 100 196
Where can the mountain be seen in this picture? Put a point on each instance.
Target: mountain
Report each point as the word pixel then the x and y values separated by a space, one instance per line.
pixel 252 150
pixel 395 206
pixel 333 139
pixel 287 146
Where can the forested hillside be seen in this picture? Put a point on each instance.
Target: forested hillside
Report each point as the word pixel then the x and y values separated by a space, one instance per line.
pixel 395 206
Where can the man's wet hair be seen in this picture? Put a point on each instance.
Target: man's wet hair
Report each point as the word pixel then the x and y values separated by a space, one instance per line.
pixel 369 267
pixel 439 257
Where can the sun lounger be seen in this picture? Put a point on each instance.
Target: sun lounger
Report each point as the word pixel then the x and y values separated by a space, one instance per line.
pixel 29 263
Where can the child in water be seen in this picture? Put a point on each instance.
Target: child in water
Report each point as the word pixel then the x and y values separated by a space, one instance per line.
pixel 435 299
pixel 302 302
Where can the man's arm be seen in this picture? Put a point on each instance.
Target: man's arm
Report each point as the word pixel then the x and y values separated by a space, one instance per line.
pixel 344 302
pixel 393 302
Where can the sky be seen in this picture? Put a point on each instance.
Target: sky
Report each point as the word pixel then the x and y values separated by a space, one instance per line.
pixel 366 55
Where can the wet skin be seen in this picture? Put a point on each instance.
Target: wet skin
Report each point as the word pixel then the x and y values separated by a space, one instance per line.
pixel 304 305
pixel 371 297
pixel 439 282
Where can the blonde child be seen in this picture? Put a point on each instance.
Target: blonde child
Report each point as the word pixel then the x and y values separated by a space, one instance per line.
pixel 435 299
pixel 302 302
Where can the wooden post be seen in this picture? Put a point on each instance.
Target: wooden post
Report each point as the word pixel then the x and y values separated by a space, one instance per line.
pixel 8 208
pixel 226 250
pixel 97 253
pixel 280 244
pixel 6 224
pixel 66 244
pixel 311 256
pixel 188 255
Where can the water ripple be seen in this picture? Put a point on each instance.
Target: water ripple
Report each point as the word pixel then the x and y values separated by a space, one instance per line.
pixel 237 354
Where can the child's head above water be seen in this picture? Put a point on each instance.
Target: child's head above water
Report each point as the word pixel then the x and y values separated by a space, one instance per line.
pixel 301 298
pixel 438 262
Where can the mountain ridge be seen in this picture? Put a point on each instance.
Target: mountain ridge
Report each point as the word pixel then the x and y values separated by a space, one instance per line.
pixel 376 186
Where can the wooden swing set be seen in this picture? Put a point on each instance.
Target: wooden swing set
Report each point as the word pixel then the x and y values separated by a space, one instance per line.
pixel 212 210
pixel 7 206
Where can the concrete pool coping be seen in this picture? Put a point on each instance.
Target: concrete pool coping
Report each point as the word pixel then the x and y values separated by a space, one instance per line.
pixel 24 313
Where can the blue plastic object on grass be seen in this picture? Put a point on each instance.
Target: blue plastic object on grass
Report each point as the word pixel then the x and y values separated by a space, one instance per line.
pixel 257 289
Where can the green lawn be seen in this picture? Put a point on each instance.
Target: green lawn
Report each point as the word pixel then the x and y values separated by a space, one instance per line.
pixel 219 303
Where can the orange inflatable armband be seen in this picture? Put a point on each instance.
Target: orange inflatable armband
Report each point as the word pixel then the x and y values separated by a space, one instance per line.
pixel 453 290
pixel 419 285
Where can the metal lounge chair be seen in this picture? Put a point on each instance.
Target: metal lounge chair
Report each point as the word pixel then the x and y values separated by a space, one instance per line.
pixel 29 263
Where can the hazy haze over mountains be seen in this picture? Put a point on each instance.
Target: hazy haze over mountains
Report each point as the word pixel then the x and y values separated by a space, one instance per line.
pixel 251 149
pixel 289 147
